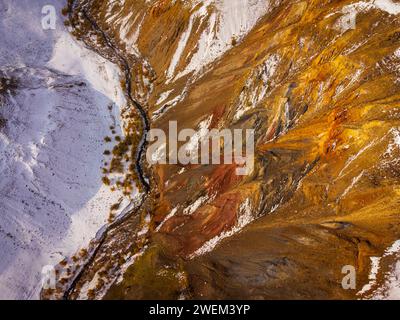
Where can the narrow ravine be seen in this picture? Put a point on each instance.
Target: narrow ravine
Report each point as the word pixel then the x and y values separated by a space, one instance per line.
pixel 141 149
pixel 128 79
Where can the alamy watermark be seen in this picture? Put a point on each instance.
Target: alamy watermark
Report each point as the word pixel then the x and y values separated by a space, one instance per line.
pixel 49 18
pixel 202 147
pixel 349 280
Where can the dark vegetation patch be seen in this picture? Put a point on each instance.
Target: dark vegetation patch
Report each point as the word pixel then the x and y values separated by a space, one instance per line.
pixel 3 122
pixel 7 85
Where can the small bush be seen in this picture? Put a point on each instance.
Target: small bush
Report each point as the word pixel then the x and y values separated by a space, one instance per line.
pixel 116 165
pixel 234 41
pixel 106 181
pixel 115 207
pixel 64 262
pixel 83 253
pixel 65 11
pixel 3 122
pixel 120 149
pixel 7 85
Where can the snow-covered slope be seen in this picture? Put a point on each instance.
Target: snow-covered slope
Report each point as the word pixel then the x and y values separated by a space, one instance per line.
pixel 52 200
pixel 200 37
pixel 229 22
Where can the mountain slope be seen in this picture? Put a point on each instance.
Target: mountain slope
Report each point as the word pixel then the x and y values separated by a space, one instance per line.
pixel 323 99
pixel 56 115
pixel 317 80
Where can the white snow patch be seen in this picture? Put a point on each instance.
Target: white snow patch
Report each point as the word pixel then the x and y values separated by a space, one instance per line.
pixel 201 133
pixel 195 205
pixel 375 261
pixel 395 144
pixel 169 216
pixel 354 181
pixel 348 20
pixel 245 217
pixel 390 290
pixel 257 85
pixel 146 226
pixel 388 6
pixel 181 47
pixel 164 96
pixel 354 157
pixel 230 19
pixel 170 104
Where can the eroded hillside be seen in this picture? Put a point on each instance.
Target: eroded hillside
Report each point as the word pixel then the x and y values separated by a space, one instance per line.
pixel 323 98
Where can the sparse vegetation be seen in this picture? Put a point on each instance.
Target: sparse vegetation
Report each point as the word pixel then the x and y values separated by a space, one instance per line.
pixel 64 262
pixel 111 217
pixel 116 165
pixel 120 149
pixel 123 155
pixel 91 294
pixel 234 41
pixel 65 11
pixel 7 85
pixel 106 181
pixel 83 253
pixel 3 122
pixel 115 207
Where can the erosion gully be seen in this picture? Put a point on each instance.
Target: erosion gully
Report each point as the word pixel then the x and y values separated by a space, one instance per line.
pixel 141 149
